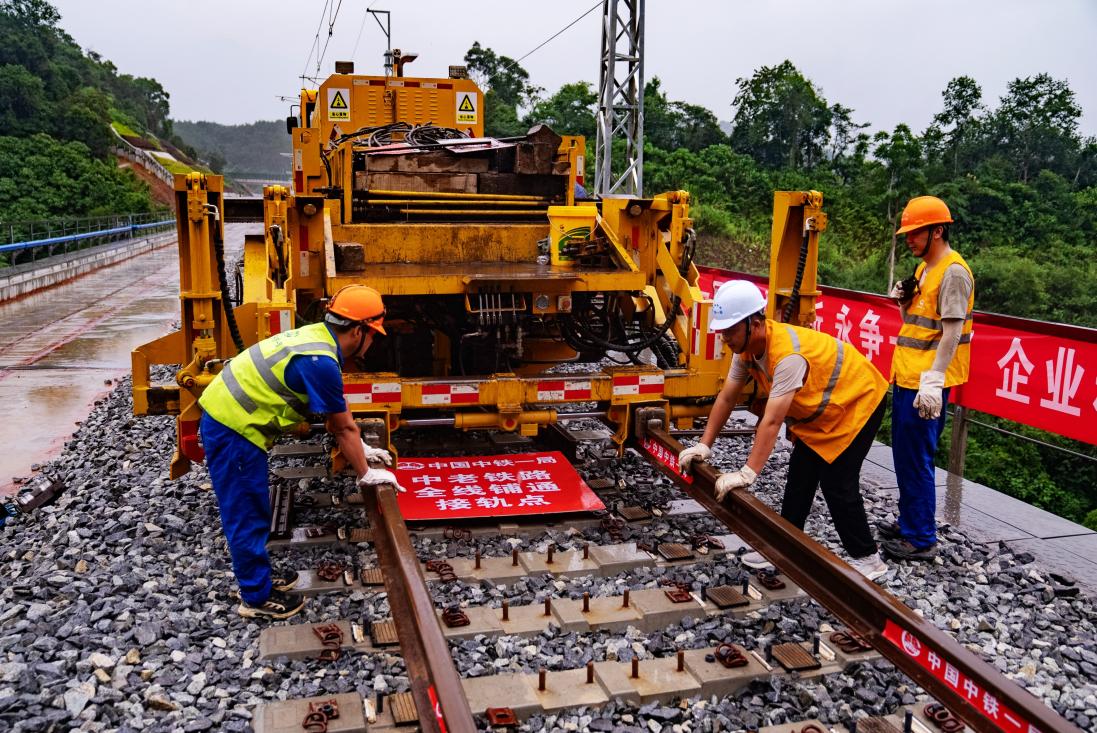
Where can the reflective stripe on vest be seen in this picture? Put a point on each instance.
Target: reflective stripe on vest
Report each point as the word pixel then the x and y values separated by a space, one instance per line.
pixel 250 394
pixel 828 391
pixel 916 346
pixel 841 389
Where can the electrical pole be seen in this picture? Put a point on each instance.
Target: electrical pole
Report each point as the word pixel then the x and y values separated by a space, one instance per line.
pixel 621 99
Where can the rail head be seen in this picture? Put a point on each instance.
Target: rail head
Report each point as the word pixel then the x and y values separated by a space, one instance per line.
pixel 435 684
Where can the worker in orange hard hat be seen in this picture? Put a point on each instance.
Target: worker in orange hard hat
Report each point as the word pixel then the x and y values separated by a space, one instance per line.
pixel 932 355
pixel 260 394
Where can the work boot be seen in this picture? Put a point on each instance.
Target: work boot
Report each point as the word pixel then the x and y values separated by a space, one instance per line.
pixel 284 580
pixel 888 531
pixel 901 549
pixel 871 566
pixel 280 605
pixel 755 561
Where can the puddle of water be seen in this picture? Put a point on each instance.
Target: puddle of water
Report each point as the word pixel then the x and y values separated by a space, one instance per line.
pixel 59 346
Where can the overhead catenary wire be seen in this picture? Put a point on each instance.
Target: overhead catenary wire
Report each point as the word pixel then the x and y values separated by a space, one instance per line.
pixel 331 30
pixel 315 47
pixel 361 27
pixel 557 33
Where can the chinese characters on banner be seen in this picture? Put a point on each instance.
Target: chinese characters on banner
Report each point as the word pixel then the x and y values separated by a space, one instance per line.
pixel 666 457
pixel 492 486
pixel 1038 374
pixel 942 668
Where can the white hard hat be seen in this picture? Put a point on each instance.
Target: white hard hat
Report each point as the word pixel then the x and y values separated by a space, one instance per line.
pixel 734 301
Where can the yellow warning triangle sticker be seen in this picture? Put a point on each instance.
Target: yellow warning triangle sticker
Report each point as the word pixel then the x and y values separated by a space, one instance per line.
pixel 338 102
pixel 466 105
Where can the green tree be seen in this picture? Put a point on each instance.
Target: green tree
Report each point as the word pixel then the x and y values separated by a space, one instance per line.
pixel 1036 125
pixel 43 178
pixel 22 96
pixel 670 125
pixel 781 120
pixel 900 154
pixel 956 124
pixel 570 111
pixel 506 87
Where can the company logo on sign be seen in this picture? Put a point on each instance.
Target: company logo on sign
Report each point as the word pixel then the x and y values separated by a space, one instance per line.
pixel 466 108
pixel 338 104
pixel 911 646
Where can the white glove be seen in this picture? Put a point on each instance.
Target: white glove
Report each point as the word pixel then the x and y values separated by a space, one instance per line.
pixel 375 476
pixel 740 479
pixel 699 452
pixel 928 400
pixel 376 454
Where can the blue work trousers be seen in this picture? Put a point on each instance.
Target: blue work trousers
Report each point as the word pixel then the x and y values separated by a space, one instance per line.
pixel 238 470
pixel 913 446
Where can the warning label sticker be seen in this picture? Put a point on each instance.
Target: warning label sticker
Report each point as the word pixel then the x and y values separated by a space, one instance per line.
pixel 338 104
pixel 466 108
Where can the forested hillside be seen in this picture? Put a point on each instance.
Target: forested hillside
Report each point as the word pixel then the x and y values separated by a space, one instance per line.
pixel 260 149
pixel 1020 179
pixel 56 108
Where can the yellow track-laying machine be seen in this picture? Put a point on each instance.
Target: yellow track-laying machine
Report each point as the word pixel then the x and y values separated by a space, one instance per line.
pixel 493 273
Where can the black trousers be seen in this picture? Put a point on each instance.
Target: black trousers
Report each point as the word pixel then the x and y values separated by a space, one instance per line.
pixel 841 483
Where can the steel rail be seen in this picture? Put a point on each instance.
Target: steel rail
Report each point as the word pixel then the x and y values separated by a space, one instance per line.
pixel 972 689
pixel 435 685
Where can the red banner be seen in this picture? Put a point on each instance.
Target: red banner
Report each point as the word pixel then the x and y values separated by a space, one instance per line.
pixel 1034 373
pixel 941 667
pixel 492 486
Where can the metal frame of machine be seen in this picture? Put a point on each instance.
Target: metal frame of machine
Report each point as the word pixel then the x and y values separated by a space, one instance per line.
pixel 455 228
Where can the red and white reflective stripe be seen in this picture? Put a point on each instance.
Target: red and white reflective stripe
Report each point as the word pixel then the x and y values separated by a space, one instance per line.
pixel 564 389
pixel 280 320
pixel 451 394
pixel 703 345
pixel 626 384
pixel 368 394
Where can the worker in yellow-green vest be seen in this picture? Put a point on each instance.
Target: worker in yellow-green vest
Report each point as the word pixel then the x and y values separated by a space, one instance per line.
pixel 932 355
pixel 260 394
pixel 832 399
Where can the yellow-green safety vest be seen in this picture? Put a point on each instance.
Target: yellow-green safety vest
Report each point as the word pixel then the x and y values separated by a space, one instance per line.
pixel 841 388
pixel 916 347
pixel 251 396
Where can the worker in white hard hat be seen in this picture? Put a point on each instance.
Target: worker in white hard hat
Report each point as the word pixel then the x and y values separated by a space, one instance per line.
pixel 832 400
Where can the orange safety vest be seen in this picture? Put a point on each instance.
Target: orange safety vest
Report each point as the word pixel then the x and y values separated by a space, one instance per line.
pixel 841 389
pixel 916 347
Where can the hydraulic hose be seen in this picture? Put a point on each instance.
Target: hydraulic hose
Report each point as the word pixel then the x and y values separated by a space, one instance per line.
pixel 219 250
pixel 794 296
pixel 571 326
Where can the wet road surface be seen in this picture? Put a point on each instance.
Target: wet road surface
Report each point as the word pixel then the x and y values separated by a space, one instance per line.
pixel 62 348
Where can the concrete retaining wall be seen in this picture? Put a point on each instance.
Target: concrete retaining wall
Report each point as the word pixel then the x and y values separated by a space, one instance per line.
pixel 27 278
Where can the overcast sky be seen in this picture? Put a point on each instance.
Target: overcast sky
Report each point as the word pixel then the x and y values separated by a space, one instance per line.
pixel 229 61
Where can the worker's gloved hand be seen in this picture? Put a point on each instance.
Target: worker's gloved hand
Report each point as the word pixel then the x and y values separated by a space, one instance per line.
pixel 375 476
pixel 376 454
pixel 928 400
pixel 699 452
pixel 740 479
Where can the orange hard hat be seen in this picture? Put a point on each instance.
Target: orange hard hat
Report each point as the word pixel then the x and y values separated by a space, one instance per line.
pixel 923 211
pixel 358 304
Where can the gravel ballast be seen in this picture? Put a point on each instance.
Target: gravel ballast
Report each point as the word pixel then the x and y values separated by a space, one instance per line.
pixel 117 610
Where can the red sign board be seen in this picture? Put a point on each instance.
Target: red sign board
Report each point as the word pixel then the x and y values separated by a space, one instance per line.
pixel 941 668
pixel 1038 374
pixel 492 486
pixel 666 457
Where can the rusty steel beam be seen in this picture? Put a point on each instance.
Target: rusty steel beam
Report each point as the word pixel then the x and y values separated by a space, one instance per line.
pixel 435 685
pixel 972 689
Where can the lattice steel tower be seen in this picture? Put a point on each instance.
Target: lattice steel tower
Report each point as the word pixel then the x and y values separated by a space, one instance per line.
pixel 621 99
